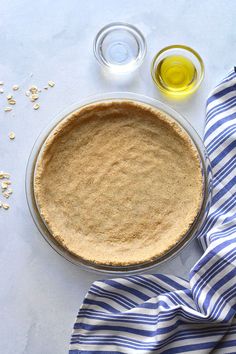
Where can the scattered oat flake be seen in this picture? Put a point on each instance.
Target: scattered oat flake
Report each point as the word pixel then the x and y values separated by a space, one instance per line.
pixel 51 83
pixel 7 193
pixel 4 175
pixel 33 89
pixel 34 97
pixel 27 93
pixel 12 135
pixel 1 83
pixel 4 185
pixel 5 206
pixel 0 204
pixel 9 97
pixel 7 109
pixel 15 87
pixel 12 101
pixel 36 106
pixel 1 90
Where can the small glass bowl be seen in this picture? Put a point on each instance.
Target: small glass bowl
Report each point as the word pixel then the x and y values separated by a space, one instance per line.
pixel 109 269
pixel 120 47
pixel 178 50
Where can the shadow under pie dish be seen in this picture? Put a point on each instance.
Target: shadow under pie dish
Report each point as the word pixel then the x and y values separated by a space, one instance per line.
pixel 118 183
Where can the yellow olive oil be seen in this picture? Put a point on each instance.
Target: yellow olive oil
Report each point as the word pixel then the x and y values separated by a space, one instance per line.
pixel 176 74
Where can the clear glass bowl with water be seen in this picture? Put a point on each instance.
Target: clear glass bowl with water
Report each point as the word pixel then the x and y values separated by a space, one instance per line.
pixel 120 47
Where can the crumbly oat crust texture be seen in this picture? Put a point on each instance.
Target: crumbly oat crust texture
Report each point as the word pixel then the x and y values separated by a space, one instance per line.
pixel 118 183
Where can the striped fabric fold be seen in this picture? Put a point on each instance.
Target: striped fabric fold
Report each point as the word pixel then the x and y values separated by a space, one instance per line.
pixel 167 314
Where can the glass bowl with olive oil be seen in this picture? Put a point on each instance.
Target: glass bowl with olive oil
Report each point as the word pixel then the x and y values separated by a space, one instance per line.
pixel 177 70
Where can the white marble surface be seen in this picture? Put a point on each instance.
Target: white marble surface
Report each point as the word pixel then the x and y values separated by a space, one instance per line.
pixel 41 292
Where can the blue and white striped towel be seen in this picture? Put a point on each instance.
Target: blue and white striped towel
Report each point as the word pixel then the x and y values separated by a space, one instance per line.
pixel 163 313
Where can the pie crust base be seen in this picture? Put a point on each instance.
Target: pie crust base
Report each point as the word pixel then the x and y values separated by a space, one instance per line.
pixel 118 183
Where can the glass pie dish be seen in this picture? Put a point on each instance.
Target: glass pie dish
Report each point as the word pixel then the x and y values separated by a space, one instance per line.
pixel 132 268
